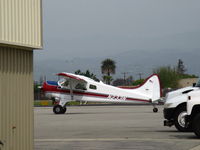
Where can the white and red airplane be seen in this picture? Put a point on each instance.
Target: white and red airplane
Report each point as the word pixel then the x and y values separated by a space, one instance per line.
pixel 73 87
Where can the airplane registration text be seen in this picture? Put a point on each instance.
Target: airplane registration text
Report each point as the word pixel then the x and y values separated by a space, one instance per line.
pixel 114 97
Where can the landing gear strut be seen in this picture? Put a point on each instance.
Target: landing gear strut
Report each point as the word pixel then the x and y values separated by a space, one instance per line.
pixel 155 109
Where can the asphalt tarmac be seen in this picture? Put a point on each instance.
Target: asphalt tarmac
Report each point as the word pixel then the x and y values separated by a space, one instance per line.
pixel 132 127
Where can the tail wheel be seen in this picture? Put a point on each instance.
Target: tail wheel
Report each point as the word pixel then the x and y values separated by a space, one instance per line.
pixel 57 109
pixel 155 110
pixel 179 119
pixel 196 125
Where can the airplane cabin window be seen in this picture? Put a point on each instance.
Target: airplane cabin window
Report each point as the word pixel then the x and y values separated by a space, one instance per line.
pixel 80 86
pixel 66 83
pixel 61 81
pixel 94 87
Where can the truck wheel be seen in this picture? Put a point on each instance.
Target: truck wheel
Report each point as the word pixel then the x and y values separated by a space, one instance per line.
pixel 179 119
pixel 64 110
pixel 57 109
pixel 196 125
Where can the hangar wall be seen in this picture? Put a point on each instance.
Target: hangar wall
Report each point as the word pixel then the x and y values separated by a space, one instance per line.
pixel 20 33
pixel 20 23
pixel 16 99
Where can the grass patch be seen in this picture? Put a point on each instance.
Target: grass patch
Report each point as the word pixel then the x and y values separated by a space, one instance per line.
pixel 39 103
pixel 48 103
pixel 43 103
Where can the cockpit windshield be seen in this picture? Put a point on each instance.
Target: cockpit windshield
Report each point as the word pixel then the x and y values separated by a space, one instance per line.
pixel 63 82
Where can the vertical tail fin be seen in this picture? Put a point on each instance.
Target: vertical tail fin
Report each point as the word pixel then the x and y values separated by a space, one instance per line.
pixel 151 88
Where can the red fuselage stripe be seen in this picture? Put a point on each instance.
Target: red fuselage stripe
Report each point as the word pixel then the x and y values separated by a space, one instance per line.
pixel 54 89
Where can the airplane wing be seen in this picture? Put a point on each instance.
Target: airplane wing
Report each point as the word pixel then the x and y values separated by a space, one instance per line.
pixel 72 79
pixel 71 76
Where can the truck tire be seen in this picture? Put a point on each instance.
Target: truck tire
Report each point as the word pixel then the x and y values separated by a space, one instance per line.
pixel 64 110
pixel 179 119
pixel 196 125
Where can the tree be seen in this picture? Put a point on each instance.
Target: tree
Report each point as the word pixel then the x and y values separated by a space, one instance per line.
pixel 118 82
pixel 107 79
pixel 138 82
pixel 129 80
pixel 87 73
pixel 78 72
pixel 123 82
pixel 168 76
pixel 180 67
pixel 181 71
pixel 108 67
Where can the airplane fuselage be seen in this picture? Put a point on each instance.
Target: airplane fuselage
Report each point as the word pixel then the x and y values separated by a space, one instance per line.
pixel 102 93
pixel 79 88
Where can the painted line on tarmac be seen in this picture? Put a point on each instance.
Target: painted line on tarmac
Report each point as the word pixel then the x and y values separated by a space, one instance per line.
pixel 112 139
pixel 196 148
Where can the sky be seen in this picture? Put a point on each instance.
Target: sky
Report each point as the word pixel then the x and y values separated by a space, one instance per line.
pixel 103 28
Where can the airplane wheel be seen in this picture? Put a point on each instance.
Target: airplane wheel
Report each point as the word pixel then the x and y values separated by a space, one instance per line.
pixel 57 109
pixel 155 110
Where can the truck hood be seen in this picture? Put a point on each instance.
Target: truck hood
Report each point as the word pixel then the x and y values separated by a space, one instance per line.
pixel 179 92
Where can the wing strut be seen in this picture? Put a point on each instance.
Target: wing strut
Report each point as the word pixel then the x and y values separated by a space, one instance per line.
pixel 71 90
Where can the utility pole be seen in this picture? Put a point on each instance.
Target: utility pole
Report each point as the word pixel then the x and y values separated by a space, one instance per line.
pixel 140 75
pixel 124 73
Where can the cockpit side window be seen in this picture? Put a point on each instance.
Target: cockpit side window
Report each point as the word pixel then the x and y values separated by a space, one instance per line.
pixel 66 83
pixel 94 87
pixel 63 83
pixel 80 86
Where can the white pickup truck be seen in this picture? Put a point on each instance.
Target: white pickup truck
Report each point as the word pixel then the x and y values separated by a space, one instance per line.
pixel 175 107
pixel 193 112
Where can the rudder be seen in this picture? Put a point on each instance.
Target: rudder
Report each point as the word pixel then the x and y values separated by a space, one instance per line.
pixel 151 87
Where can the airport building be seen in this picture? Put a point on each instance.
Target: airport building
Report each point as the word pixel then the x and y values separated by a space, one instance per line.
pixel 20 34
pixel 187 82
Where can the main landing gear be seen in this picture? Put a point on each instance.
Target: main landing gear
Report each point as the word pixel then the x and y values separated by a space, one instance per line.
pixel 58 109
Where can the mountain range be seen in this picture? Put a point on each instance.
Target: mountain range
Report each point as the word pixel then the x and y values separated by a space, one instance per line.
pixel 131 62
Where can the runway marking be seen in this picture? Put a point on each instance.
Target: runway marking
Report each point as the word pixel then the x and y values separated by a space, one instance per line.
pixel 111 139
pixel 195 148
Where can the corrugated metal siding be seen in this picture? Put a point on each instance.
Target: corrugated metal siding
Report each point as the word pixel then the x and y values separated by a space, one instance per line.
pixel 20 23
pixel 16 99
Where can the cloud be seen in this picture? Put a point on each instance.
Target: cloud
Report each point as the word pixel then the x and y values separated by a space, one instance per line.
pixel 101 28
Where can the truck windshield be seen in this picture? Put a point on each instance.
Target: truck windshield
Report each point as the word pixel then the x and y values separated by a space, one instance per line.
pixel 198 83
